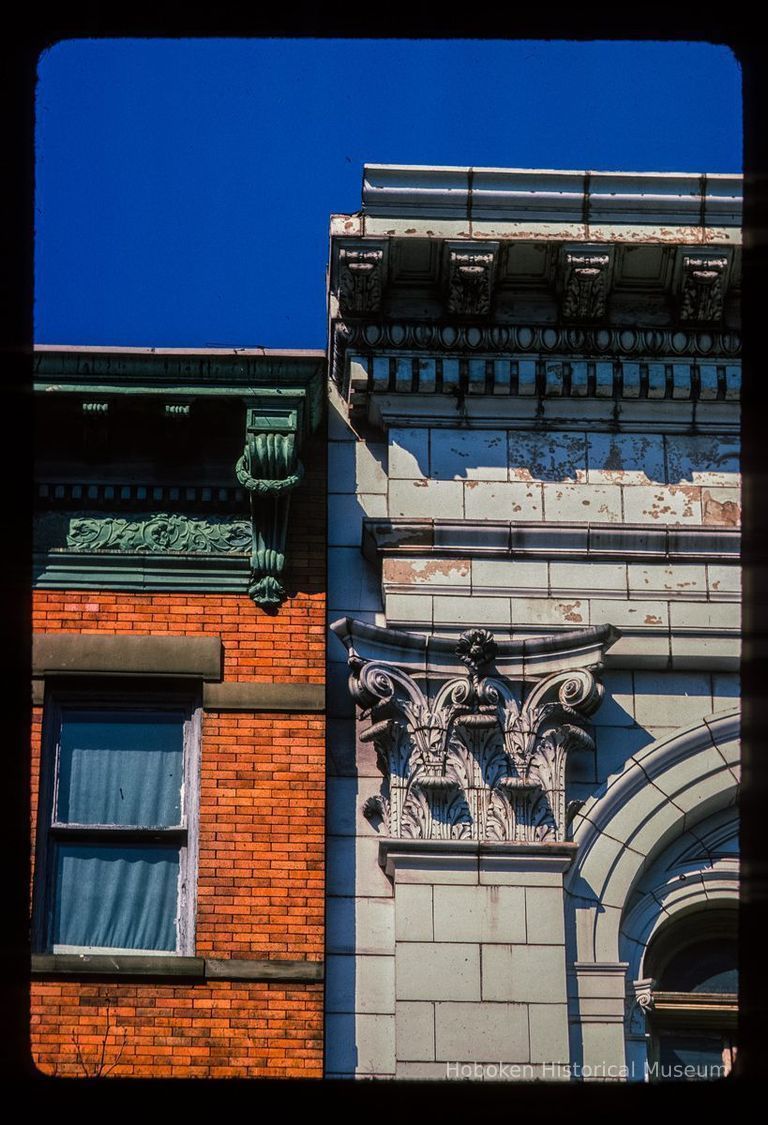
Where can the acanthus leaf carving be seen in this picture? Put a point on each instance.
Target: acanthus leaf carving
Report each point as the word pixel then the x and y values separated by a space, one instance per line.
pixel 585 283
pixel 160 533
pixel 470 281
pixel 703 288
pixel 360 279
pixel 269 469
pixel 480 759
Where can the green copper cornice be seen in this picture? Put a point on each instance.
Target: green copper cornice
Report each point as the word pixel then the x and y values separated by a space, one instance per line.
pixel 293 375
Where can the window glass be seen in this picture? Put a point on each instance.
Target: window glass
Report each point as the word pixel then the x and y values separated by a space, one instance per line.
pixel 116 895
pixel 122 768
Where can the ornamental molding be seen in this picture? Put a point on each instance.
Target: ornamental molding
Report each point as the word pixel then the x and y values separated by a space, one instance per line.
pixel 585 281
pixel 504 339
pixel 161 533
pixel 269 469
pixel 703 286
pixel 360 278
pixel 639 1002
pixel 477 755
pixel 469 277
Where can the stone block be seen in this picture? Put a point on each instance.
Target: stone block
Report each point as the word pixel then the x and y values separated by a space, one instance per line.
pixel 353 867
pixel 437 971
pixel 360 925
pixel 409 610
pixel 340 702
pixel 468 454
pixel 544 922
pixel 572 612
pixel 629 614
pixel 341 467
pixel 353 584
pixel 361 1044
pixel 524 973
pixel 435 869
pixel 345 799
pixel 615 748
pixel 633 650
pixel 481 1032
pixel 421 1071
pixel 587 578
pixel 726 690
pixel 415 1031
pixel 371 459
pixel 721 507
pixel 479 914
pixel 548 1025
pixel 507 575
pixel 435 499
pixel 505 871
pixel 346 514
pixel 662 504
pixel 408 453
pixel 413 912
pixel 454 573
pixel 502 500
pixel 651 579
pixel 602 1050
pixel 692 652
pixel 724 580
pixel 582 502
pixel 466 611
pixel 625 458
pixel 703 459
pixel 560 456
pixel 360 984
pixel 705 615
pixel 674 699
pixel 617 708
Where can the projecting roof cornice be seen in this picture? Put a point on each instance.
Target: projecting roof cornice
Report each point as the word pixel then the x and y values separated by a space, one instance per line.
pixel 596 200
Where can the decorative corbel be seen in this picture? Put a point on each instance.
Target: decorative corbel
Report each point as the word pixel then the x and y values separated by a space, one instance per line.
pixel 360 279
pixel 585 281
pixel 639 1004
pixel 469 278
pixel 269 468
pixel 703 285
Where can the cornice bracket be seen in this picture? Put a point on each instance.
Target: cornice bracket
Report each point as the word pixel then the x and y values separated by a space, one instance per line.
pixel 470 273
pixel 269 468
pixel 703 285
pixel 361 270
pixel 585 275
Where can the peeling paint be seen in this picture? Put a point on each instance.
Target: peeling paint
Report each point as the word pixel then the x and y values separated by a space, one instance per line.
pixel 420 483
pixel 652 619
pixel 716 513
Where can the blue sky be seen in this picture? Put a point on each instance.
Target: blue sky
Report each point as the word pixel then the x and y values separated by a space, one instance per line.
pixel 183 187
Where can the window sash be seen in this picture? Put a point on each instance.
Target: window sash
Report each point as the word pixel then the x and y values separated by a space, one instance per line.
pixel 54 833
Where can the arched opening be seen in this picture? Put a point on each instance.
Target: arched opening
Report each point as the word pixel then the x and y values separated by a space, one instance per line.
pixel 693 965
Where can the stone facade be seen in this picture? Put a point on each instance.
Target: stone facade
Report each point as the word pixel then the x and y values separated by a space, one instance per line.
pixel 534 584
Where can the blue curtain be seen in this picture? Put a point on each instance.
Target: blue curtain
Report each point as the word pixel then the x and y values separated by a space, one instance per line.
pixel 121 767
pixel 119 896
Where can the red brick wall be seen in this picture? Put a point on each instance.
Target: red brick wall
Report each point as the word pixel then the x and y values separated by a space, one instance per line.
pixel 260 891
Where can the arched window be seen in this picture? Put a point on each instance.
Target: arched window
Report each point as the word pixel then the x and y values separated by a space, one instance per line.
pixel 693 1009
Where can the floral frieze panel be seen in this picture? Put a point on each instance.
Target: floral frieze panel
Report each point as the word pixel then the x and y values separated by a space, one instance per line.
pixel 482 757
pixel 160 533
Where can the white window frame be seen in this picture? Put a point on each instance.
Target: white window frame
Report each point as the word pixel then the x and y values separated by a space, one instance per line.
pixel 110 698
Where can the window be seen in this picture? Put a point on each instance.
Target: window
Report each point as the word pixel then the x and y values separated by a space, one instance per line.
pixel 695 997
pixel 117 842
